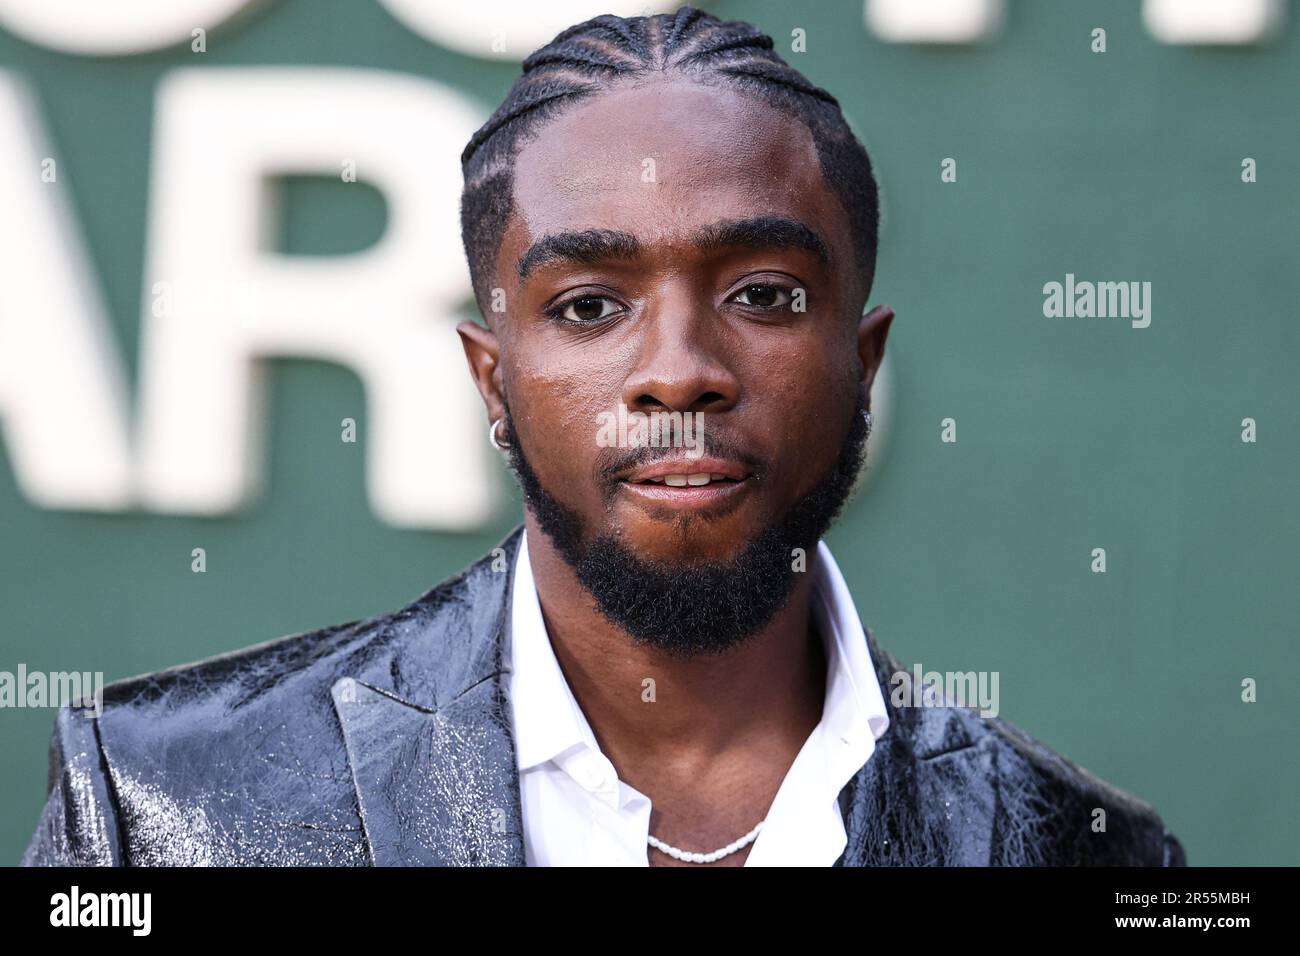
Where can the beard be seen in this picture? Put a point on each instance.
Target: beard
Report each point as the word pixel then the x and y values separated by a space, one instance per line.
pixel 699 608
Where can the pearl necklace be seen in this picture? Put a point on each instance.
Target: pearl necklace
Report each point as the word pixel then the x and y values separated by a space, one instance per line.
pixel 690 857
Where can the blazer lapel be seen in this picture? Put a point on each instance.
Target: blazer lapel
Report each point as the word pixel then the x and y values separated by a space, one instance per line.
pixel 928 795
pixel 426 722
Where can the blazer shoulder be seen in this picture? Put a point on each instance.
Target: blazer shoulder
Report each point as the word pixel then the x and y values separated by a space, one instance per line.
pixel 1045 808
pixel 255 670
pixel 136 781
pixel 78 825
pixel 239 758
pixel 1101 824
pixel 293 663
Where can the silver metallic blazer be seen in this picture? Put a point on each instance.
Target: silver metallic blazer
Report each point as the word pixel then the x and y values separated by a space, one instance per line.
pixel 388 741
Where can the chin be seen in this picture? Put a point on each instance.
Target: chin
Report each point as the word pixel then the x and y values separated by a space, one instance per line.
pixel 686 539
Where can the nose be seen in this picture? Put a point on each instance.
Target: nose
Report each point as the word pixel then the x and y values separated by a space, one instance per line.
pixel 683 363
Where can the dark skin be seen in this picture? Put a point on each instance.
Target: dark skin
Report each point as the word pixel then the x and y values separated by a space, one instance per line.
pixel 678 326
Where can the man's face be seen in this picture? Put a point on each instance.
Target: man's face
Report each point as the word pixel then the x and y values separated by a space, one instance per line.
pixel 707 224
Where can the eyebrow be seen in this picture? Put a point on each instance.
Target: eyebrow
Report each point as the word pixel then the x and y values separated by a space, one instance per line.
pixel 590 246
pixel 763 232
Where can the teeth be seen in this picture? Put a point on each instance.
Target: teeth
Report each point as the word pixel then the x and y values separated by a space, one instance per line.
pixel 682 481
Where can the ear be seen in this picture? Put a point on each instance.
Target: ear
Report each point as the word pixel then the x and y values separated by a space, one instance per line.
pixel 483 353
pixel 872 330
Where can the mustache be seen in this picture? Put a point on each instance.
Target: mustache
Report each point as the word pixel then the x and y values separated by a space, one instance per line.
pixel 613 461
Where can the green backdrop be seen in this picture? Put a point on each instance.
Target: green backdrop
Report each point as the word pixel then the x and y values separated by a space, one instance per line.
pixel 1072 433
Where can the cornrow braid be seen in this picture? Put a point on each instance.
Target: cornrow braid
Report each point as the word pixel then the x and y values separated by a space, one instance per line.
pixel 590 58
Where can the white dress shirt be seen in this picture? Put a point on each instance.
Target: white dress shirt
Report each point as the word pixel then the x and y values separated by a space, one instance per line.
pixel 577 812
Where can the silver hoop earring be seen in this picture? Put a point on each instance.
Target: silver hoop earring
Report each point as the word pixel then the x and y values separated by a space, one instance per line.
pixel 867 416
pixel 492 436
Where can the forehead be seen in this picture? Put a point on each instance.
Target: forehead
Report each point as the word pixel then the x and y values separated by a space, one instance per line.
pixel 660 158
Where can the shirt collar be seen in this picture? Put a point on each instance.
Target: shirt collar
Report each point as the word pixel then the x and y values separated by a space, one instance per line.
pixel 547 718
pixel 854 709
pixel 548 721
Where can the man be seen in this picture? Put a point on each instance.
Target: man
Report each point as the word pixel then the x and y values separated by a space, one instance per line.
pixel 664 223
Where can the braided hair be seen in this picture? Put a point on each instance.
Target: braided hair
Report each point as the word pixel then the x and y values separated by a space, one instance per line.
pixel 591 57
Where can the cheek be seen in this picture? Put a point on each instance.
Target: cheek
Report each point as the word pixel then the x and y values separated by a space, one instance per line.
pixel 807 399
pixel 803 385
pixel 554 407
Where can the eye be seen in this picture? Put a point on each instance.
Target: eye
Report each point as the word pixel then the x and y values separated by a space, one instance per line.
pixel 764 295
pixel 584 309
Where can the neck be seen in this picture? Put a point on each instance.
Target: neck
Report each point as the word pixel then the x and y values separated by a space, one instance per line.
pixel 758 700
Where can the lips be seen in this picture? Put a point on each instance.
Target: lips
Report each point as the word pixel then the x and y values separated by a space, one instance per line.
pixel 682 481
pixel 687 472
pixel 700 483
